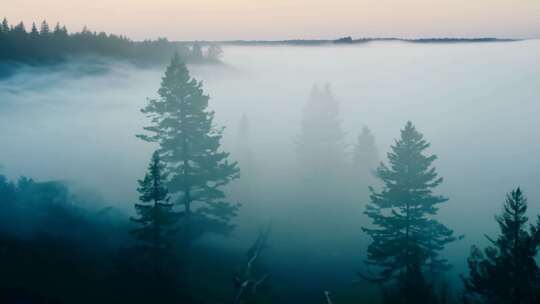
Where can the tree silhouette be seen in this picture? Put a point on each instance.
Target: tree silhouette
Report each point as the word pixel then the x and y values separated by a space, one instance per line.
pixel 4 26
pixel 44 29
pixel 46 46
pixel 405 235
pixel 320 144
pixel 189 144
pixel 507 272
pixel 34 33
pixel 156 216
pixel 365 158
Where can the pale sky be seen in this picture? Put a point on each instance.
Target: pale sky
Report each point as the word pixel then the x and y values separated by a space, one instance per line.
pixel 286 19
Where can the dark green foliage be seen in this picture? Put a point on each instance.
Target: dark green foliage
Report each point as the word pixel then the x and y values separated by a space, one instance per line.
pixel 48 45
pixel 507 272
pixel 411 287
pixel 189 144
pixel 4 27
pixel 7 191
pixel 34 33
pixel 405 232
pixel 52 250
pixel 156 215
pixel 41 205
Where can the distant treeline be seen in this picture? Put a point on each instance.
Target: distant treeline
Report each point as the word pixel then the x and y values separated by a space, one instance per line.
pixel 350 40
pixel 43 44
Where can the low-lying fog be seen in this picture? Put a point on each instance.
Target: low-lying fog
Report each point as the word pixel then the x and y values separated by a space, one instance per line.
pixel 477 103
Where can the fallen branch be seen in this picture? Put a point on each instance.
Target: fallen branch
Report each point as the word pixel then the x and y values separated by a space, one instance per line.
pixel 247 279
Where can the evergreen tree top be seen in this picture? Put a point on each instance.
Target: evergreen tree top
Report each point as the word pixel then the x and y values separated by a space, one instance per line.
pixel 410 176
pixel 512 223
pixel 507 271
pixel 177 83
pixel 152 188
pixel 182 99
pixel 34 28
pixel 4 26
pixel 44 30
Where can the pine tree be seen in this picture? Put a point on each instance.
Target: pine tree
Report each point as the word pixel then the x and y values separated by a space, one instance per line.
pixel 507 272
pixel 320 144
pixel 405 231
pixel 34 32
pixel 57 29
pixel 189 144
pixel 44 29
pixel 4 27
pixel 365 155
pixel 20 29
pixel 156 216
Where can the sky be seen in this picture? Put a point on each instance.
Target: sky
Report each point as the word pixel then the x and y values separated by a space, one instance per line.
pixel 286 19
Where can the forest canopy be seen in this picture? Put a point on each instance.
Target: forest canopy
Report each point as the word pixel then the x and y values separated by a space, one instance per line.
pixel 46 44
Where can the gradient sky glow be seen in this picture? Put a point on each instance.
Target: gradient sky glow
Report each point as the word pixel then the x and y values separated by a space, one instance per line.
pixel 286 19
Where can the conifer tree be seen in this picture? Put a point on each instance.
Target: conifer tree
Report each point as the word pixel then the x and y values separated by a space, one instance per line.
pixel 4 27
pixel 156 216
pixel 189 144
pixel 507 272
pixel 404 229
pixel 44 29
pixel 57 28
pixel 320 144
pixel 34 32
pixel 20 29
pixel 365 156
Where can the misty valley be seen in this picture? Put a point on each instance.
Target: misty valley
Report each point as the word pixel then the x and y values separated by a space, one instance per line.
pixel 369 171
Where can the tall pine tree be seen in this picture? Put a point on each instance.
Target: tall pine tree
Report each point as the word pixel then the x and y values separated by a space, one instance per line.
pixel 189 145
pixel 406 237
pixel 156 217
pixel 507 272
pixel 320 145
